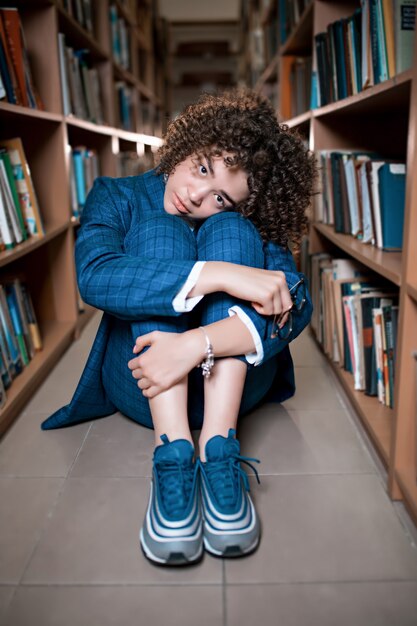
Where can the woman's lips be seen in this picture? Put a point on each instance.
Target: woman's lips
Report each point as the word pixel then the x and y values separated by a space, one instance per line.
pixel 179 205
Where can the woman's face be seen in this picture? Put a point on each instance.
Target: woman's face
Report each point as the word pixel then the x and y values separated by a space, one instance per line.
pixel 203 186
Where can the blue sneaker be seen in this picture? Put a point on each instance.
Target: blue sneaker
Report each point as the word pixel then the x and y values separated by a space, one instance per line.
pixel 231 524
pixel 172 529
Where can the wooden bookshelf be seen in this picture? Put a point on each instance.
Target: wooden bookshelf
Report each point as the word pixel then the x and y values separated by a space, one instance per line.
pixel 382 118
pixel 46 262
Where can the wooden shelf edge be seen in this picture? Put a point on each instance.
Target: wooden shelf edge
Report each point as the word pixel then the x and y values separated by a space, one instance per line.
pixel 407 483
pixel 57 336
pixel 412 292
pixel 8 256
pixel 99 129
pixel 303 118
pixel 387 264
pixel 366 94
pixel 16 109
pixel 376 418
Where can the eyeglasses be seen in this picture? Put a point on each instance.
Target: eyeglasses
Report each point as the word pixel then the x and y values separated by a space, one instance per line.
pixel 299 289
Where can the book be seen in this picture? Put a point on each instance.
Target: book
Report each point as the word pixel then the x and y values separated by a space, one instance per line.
pixel 17 324
pixel 9 205
pixel 16 364
pixel 63 69
pixel 31 317
pixel 12 29
pixel 8 70
pixel 391 190
pixel 388 20
pixel 4 156
pixel 377 333
pixel 404 29
pixel 24 185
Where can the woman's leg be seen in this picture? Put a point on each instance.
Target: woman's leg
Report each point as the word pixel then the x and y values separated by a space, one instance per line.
pixel 231 525
pixel 172 529
pixel 164 237
pixel 226 237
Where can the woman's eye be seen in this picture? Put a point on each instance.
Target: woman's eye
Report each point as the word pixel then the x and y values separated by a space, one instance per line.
pixel 219 200
pixel 202 169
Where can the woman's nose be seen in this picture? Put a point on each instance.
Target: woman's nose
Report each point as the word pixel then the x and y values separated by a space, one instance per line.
pixel 197 193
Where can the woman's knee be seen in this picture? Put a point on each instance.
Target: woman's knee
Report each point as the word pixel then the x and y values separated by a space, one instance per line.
pixel 230 237
pixel 162 237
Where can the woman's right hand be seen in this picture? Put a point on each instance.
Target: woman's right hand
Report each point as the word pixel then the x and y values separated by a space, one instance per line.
pixel 266 290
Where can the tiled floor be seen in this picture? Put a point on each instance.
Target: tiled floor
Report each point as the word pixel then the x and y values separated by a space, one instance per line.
pixel 334 549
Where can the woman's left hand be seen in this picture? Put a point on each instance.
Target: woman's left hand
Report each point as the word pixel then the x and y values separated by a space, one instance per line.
pixel 169 358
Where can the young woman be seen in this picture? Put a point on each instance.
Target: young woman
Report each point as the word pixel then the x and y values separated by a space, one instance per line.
pixel 192 267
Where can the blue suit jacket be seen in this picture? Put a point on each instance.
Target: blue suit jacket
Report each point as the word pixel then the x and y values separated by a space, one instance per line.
pixel 131 288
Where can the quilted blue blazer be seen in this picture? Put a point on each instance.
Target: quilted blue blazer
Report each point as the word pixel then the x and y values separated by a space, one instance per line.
pixel 131 288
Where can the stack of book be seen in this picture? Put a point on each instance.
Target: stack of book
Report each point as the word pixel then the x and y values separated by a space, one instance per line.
pixel 356 320
pixel 19 210
pixel 83 172
pixel 370 46
pixel 20 337
pixel 80 83
pixel 363 196
pixel 16 80
pixel 120 39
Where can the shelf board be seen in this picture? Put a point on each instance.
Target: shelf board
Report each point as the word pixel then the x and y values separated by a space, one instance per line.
pixel 99 129
pixel 56 337
pixel 300 120
pixel 412 292
pixel 407 482
pixel 387 264
pixel 6 109
pixel 123 12
pixel 268 73
pixel 382 97
pixel 8 256
pixel 124 74
pixel 79 37
pixel 301 33
pixel 377 418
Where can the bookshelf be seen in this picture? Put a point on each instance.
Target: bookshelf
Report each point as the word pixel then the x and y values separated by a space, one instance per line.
pixel 381 118
pixel 46 263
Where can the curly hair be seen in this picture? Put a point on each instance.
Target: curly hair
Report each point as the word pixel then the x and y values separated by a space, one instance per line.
pixel 281 170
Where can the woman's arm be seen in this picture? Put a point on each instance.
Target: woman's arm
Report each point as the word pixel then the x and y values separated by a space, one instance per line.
pixel 171 356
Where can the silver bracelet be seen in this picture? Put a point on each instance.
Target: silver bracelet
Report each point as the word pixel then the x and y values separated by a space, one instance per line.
pixel 207 364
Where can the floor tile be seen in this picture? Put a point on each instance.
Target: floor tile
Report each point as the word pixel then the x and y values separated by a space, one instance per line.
pixel 26 450
pixel 305 352
pixel 344 604
pixel 93 537
pixel 326 528
pixel 6 595
pixel 315 390
pixel 25 505
pixel 116 446
pixel 117 606
pixel 298 441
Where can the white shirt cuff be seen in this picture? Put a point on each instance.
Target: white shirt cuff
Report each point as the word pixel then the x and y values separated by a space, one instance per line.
pixel 254 358
pixel 181 303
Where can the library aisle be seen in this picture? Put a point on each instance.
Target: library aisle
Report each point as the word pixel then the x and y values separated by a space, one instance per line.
pixel 335 548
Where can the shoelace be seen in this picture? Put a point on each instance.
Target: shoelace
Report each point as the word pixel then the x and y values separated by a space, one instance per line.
pixel 222 476
pixel 176 483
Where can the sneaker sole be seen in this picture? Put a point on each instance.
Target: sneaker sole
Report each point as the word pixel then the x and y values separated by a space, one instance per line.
pixel 231 551
pixel 174 558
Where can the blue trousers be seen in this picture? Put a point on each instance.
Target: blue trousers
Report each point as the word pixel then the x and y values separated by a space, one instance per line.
pixel 215 240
